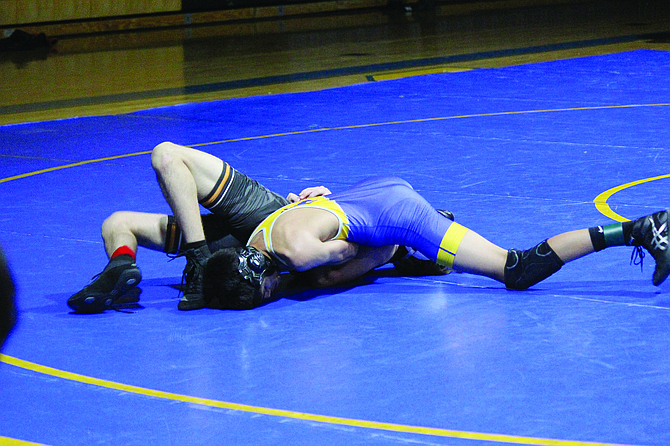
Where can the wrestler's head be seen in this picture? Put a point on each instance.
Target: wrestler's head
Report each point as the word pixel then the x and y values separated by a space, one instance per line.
pixel 238 278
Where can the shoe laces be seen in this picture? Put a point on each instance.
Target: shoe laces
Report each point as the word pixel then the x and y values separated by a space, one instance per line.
pixel 173 256
pixel 187 270
pixel 119 309
pixel 637 256
pixel 188 276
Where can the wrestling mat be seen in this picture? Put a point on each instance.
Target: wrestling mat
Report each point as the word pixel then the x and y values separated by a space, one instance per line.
pixel 518 154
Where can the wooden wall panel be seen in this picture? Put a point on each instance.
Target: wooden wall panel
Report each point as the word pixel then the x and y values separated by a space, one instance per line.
pixel 8 11
pixel 94 74
pixel 16 12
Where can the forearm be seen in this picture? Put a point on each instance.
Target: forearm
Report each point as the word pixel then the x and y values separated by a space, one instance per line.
pixel 367 259
pixel 333 252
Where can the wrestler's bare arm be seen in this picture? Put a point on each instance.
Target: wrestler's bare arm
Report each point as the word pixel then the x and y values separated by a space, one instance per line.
pixel 304 251
pixel 367 259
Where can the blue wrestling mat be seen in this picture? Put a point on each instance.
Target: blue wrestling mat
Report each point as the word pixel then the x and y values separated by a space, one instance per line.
pixel 518 154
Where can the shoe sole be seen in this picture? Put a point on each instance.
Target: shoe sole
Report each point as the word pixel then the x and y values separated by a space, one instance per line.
pixel 132 296
pixel 98 302
pixel 187 305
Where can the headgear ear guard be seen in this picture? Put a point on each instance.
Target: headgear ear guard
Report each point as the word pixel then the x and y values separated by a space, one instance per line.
pixel 254 266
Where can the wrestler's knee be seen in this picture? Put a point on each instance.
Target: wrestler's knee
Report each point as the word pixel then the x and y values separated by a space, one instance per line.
pixel 118 221
pixel 163 155
pixel 526 268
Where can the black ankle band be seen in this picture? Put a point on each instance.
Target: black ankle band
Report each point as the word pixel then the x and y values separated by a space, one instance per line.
pixel 598 238
pixel 611 235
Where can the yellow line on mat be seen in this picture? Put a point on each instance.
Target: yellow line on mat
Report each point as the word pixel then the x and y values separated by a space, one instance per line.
pixel 4 441
pixel 290 414
pixel 347 127
pixel 601 200
pixel 439 118
pixel 65 166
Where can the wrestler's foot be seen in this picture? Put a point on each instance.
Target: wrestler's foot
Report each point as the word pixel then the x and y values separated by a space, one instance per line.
pixel 651 233
pixel 118 278
pixel 192 298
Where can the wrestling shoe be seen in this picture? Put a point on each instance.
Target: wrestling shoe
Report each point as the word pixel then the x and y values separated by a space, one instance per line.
pixel 408 265
pixel 192 299
pixel 131 297
pixel 112 284
pixel 447 214
pixel 651 233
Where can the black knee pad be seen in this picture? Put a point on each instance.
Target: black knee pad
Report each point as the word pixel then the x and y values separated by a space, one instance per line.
pixel 526 268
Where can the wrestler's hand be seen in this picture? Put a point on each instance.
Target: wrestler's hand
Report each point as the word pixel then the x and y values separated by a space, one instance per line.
pixel 310 192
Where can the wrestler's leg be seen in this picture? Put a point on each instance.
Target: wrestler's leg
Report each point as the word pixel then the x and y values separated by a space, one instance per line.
pixel 522 269
pixel 122 233
pixel 477 255
pixel 186 176
pixel 133 229
pixel 572 245
pixel 411 221
pixel 649 233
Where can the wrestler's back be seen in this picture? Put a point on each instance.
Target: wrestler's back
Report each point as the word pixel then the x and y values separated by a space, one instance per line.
pixel 290 229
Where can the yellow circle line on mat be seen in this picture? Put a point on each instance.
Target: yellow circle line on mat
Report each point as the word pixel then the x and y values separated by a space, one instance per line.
pixel 5 441
pixel 65 166
pixel 441 118
pixel 291 414
pixel 601 200
pixel 347 127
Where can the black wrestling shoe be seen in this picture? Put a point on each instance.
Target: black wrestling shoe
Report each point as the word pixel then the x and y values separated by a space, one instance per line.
pixel 114 282
pixel 132 296
pixel 192 298
pixel 651 233
pixel 445 213
pixel 409 266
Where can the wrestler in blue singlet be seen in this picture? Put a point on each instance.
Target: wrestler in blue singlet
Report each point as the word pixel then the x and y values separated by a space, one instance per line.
pixel 383 211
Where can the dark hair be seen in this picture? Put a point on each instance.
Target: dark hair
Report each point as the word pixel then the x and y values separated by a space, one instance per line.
pixel 223 285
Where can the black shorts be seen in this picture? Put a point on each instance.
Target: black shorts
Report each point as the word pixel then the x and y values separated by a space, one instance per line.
pixel 238 204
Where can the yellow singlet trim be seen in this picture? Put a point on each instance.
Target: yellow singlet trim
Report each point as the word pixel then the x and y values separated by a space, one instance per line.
pixel 449 245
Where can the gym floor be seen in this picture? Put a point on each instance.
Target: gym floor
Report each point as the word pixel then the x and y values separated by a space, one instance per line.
pixel 524 121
